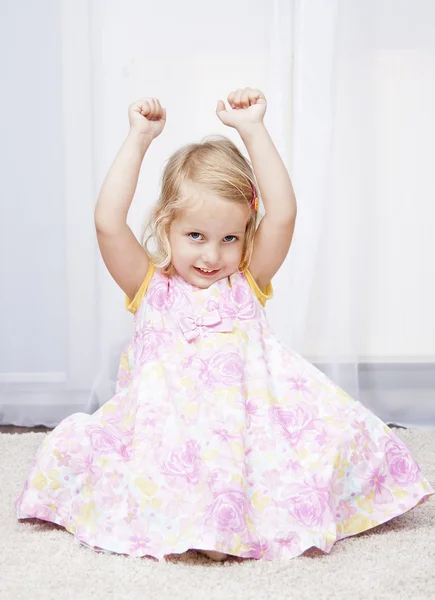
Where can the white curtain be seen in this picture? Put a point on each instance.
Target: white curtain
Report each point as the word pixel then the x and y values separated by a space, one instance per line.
pixel 350 88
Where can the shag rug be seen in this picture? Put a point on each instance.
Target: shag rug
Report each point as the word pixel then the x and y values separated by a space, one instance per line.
pixel 42 560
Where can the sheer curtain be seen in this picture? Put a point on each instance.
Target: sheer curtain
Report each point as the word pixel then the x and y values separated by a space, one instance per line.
pixel 350 89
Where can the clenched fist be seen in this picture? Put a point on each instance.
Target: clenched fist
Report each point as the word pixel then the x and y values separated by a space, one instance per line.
pixel 146 116
pixel 249 107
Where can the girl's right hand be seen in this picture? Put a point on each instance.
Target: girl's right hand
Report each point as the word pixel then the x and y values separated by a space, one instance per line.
pixel 146 116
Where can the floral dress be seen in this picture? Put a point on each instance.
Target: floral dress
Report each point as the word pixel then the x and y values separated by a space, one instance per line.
pixel 218 437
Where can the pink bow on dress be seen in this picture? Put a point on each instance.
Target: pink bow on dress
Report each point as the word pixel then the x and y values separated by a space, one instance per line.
pixel 192 326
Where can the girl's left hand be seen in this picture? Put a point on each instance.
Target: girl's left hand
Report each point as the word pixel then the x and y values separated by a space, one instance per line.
pixel 249 107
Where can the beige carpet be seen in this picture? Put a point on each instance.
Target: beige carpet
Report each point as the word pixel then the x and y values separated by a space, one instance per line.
pixel 41 560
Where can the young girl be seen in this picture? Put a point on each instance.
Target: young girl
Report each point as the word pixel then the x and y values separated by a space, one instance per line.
pixel 219 438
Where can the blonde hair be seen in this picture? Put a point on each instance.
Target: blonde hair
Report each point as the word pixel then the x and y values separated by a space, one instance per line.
pixel 216 164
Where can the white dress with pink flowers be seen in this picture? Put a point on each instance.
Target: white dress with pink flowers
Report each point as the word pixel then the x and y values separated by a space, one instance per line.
pixel 221 438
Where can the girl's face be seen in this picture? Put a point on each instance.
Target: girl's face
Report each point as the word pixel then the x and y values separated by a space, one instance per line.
pixel 208 235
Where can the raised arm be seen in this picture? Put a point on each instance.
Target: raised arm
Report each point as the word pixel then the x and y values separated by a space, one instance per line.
pixel 275 232
pixel 124 257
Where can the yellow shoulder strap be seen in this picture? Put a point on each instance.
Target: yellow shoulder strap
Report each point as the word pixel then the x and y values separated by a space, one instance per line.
pixel 133 305
pixel 262 296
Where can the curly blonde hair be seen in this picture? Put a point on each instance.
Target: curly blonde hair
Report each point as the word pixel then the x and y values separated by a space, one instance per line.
pixel 218 165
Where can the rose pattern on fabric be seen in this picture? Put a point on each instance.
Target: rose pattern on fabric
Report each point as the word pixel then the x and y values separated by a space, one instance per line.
pixel 219 440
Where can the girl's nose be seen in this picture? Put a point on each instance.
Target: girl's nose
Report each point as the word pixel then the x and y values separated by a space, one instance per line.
pixel 210 257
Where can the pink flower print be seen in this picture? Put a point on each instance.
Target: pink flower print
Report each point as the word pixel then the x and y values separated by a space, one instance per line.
pixel 53 503
pixel 108 498
pixel 227 511
pixel 185 462
pixel 323 438
pixel 114 418
pixel 401 465
pixel 373 480
pixel 114 478
pixel 251 410
pixel 166 293
pixel 176 300
pixel 103 439
pixel 187 363
pixel 211 305
pixel 291 542
pixel 298 383
pixel 126 452
pixel 345 510
pixel 224 435
pixel 363 439
pixel 149 422
pixel 222 367
pixel 309 506
pixel 133 507
pixel 139 543
pixel 124 378
pixel 84 465
pixel 147 342
pixel 62 458
pixel 69 430
pixel 66 445
pixel 157 292
pixel 355 458
pixel 212 478
pixel 258 549
pixel 237 301
pixel 244 300
pixel 109 439
pixel 361 427
pixel 337 482
pixel 291 421
pixel 295 466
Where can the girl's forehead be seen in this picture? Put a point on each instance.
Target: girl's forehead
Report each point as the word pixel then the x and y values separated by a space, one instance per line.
pixel 212 218
pixel 214 209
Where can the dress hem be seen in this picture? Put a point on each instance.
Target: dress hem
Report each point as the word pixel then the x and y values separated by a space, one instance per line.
pixel 326 547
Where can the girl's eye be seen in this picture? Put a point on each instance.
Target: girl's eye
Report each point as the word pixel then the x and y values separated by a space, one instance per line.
pixel 193 236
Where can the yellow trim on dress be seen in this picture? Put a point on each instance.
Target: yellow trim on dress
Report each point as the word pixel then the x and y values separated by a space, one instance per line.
pixel 133 305
pixel 262 296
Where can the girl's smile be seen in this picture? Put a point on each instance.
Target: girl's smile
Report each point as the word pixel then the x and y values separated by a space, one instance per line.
pixel 206 273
